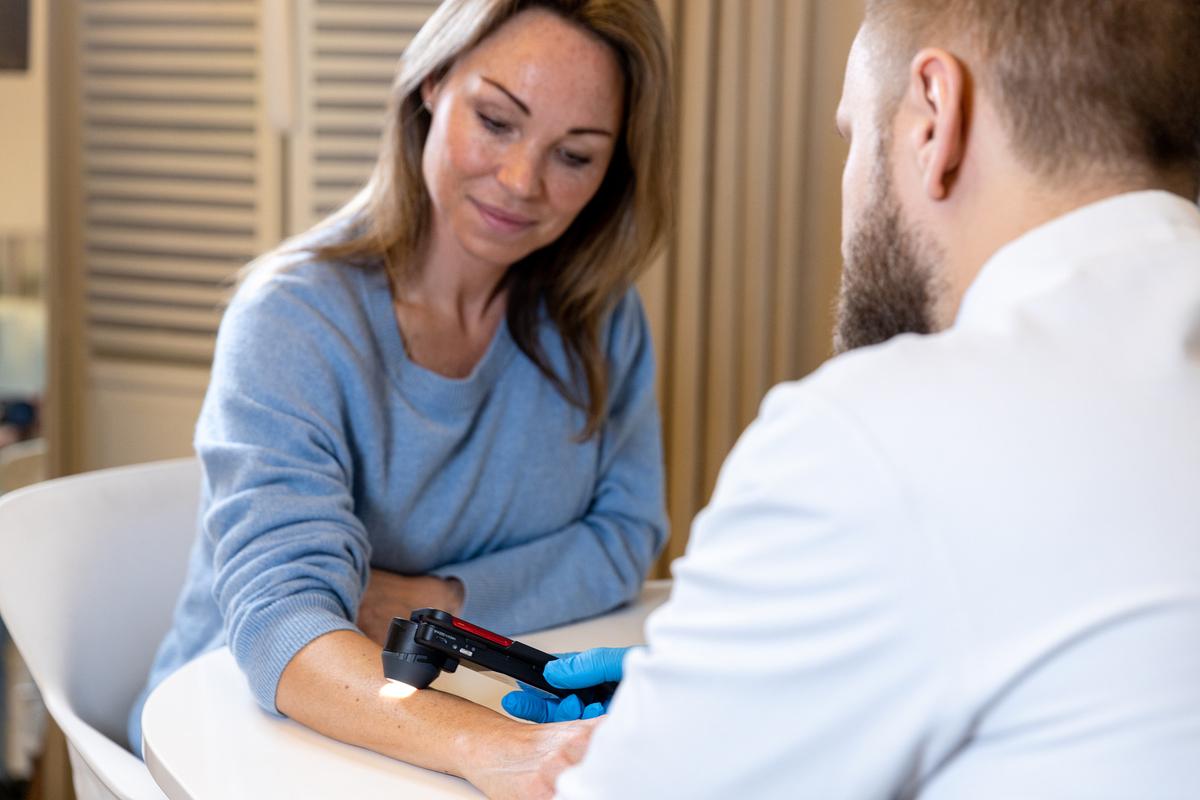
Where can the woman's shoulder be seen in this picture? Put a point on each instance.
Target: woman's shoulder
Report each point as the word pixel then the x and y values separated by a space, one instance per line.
pixel 627 328
pixel 297 274
pixel 301 328
pixel 624 329
pixel 295 285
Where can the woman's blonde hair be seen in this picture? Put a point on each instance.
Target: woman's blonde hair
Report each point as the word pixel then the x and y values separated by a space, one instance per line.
pixel 580 276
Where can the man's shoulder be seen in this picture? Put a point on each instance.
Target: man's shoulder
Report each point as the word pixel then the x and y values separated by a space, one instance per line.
pixel 887 404
pixel 831 418
pixel 908 371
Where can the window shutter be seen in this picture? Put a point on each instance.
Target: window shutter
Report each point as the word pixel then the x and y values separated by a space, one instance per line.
pixel 348 51
pixel 181 182
pixel 181 187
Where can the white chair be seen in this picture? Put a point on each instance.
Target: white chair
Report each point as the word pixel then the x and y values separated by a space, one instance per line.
pixel 90 568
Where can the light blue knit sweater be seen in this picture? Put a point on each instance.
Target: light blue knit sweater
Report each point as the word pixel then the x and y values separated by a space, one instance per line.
pixel 326 451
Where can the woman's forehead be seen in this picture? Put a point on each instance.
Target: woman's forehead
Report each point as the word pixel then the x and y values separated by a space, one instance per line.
pixel 547 61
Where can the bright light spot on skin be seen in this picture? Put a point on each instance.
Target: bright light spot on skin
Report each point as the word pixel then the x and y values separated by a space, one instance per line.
pixel 396 690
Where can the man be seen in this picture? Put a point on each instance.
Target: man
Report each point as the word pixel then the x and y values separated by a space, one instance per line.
pixel 963 564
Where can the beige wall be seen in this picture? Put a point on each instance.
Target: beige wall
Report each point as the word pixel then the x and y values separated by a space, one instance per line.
pixel 743 299
pixel 23 136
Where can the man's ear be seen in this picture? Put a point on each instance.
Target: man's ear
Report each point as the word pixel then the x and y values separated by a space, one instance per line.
pixel 936 99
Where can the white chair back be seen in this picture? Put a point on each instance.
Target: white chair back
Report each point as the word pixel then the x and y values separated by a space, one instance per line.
pixel 90 569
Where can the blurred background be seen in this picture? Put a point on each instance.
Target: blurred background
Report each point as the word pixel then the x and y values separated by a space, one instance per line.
pixel 23 333
pixel 150 148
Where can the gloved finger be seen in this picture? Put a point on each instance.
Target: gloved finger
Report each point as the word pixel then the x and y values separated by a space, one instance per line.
pixel 589 668
pixel 569 708
pixel 593 710
pixel 536 691
pixel 529 707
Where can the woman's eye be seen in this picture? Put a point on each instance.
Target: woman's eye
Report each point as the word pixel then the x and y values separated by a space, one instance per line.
pixel 574 159
pixel 492 124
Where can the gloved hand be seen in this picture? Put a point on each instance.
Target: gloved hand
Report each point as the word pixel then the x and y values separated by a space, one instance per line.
pixel 572 671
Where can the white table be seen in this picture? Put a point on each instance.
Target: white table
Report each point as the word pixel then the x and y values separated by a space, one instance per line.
pixel 204 737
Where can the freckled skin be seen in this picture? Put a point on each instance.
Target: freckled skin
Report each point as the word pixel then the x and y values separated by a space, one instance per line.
pixel 530 169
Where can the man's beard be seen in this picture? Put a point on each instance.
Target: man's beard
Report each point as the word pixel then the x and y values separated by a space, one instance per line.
pixel 888 281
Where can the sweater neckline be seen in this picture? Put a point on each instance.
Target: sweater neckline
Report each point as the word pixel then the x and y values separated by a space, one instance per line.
pixel 428 389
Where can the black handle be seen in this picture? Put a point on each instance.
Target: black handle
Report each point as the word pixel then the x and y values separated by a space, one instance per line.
pixel 514 659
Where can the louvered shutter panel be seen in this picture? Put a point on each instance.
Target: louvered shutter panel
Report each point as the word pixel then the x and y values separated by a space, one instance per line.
pixel 348 51
pixel 181 176
pixel 181 188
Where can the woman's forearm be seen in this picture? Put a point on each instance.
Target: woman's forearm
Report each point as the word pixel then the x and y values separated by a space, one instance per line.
pixel 332 686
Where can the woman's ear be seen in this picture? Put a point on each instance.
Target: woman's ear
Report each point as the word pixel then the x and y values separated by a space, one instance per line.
pixel 936 99
pixel 429 90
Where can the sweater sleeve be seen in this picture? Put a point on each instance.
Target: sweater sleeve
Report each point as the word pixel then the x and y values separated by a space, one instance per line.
pixel 290 557
pixel 599 561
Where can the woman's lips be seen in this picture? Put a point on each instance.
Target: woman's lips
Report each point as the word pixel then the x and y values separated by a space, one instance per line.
pixel 501 221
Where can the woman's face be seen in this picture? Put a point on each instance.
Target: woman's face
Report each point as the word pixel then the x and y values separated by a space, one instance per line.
pixel 523 130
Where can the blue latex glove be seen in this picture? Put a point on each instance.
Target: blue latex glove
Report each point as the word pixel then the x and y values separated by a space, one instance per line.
pixel 572 671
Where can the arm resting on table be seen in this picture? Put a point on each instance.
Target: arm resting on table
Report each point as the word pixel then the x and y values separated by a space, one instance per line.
pixel 332 686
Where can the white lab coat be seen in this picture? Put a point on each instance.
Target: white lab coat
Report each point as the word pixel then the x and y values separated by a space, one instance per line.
pixel 964 565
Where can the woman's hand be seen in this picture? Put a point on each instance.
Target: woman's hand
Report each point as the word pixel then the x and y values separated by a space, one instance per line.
pixel 524 764
pixel 391 595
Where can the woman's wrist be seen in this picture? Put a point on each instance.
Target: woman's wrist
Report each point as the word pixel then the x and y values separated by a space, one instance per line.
pixel 518 760
pixel 487 746
pixel 456 593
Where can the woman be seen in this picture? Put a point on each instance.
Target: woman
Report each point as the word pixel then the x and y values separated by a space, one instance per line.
pixel 443 395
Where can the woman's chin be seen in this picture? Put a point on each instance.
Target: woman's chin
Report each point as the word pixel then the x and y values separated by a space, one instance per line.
pixel 492 251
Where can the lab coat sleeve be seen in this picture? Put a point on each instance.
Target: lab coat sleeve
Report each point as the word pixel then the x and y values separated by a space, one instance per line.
pixel 791 660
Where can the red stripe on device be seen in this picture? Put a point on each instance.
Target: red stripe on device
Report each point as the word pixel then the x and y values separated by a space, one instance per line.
pixel 482 633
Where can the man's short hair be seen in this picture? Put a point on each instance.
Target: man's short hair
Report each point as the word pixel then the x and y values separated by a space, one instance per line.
pixel 1082 85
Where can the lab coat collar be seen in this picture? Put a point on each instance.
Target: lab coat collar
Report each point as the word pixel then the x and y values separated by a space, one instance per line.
pixel 1048 255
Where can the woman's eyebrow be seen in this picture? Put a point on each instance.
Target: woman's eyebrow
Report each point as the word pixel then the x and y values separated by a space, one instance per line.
pixel 593 131
pixel 521 105
pixel 511 96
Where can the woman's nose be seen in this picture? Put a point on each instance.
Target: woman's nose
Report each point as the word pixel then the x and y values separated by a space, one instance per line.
pixel 520 173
